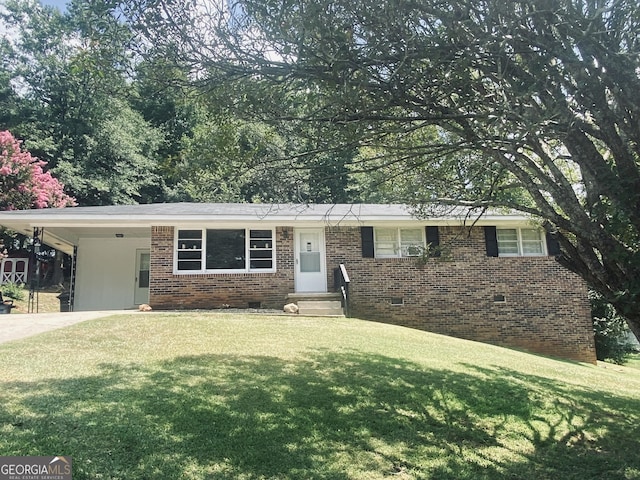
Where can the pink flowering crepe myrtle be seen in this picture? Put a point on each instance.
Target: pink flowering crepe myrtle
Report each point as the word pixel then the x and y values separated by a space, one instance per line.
pixel 24 182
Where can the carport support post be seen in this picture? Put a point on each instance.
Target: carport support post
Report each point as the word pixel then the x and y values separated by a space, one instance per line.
pixel 72 280
pixel 34 271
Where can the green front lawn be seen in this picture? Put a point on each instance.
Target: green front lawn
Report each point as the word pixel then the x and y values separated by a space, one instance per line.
pixel 633 361
pixel 213 395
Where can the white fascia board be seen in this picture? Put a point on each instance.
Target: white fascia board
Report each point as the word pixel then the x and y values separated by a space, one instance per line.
pixel 249 220
pixel 36 219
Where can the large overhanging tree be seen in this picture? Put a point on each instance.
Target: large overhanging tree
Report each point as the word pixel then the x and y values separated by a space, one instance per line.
pixel 541 99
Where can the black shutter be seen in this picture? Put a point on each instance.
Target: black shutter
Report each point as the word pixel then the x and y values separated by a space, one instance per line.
pixel 366 234
pixel 553 246
pixel 491 241
pixel 433 241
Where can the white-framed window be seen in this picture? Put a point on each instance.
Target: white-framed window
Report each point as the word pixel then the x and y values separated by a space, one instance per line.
pixel 520 242
pixel 224 250
pixel 398 242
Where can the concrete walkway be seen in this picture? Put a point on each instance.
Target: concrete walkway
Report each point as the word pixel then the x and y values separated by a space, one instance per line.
pixel 20 325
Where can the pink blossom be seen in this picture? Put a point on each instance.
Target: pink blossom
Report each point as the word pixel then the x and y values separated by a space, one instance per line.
pixel 24 174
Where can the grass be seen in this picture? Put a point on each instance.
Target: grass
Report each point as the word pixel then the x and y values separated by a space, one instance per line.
pixel 633 361
pixel 47 302
pixel 219 395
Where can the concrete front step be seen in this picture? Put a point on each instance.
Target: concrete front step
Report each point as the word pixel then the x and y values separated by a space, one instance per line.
pixel 323 304
pixel 329 308
pixel 296 297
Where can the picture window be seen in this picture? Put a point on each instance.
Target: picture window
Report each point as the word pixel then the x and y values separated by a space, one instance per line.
pixel 225 250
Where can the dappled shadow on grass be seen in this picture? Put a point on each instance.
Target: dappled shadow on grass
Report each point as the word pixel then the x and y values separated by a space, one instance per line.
pixel 331 416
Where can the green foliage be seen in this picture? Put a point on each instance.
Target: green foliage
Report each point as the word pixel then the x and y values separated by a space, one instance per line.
pixel 13 290
pixel 611 332
pixel 230 160
pixel 118 164
pixel 70 77
pixel 118 127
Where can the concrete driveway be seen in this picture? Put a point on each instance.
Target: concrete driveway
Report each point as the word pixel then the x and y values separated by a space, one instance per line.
pixel 20 325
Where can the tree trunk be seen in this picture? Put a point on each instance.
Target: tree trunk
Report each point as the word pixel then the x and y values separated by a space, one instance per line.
pixel 632 317
pixel 634 326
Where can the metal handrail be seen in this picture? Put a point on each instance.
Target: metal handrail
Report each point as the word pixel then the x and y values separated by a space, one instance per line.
pixel 342 281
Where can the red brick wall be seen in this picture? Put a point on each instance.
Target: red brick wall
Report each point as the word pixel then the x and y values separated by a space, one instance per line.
pixel 546 309
pixel 208 291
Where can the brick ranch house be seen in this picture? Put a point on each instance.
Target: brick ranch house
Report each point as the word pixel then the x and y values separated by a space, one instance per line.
pixel 496 281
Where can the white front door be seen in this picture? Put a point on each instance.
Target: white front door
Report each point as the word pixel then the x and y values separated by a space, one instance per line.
pixel 143 261
pixel 311 271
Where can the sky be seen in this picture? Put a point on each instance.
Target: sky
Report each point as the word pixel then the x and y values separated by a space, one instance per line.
pixel 61 4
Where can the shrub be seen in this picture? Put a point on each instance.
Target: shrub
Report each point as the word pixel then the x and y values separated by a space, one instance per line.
pixel 611 331
pixel 13 290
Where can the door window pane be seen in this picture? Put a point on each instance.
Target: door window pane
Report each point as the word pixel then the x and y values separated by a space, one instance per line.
pixel 309 252
pixel 143 274
pixel 309 262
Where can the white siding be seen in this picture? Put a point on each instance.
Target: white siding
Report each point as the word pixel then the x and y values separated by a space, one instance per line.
pixel 106 273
